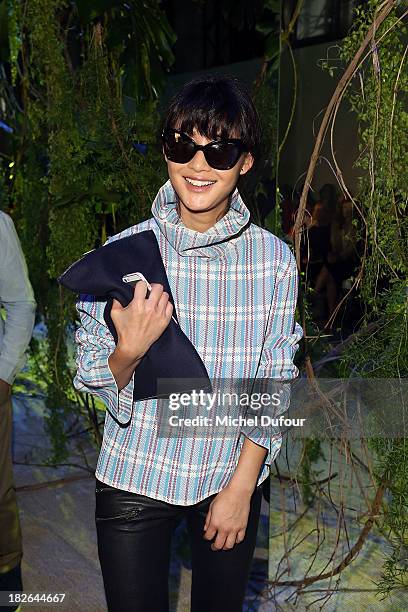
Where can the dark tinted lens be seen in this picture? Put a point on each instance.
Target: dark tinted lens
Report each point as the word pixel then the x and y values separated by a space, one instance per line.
pixel 223 155
pixel 178 147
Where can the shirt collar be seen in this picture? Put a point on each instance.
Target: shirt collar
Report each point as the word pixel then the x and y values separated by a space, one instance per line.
pixel 189 243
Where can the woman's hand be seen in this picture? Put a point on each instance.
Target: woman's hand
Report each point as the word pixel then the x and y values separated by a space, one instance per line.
pixel 138 325
pixel 5 392
pixel 228 518
pixel 142 321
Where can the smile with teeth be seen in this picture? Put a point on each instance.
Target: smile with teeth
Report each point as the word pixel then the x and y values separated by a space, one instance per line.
pixel 199 183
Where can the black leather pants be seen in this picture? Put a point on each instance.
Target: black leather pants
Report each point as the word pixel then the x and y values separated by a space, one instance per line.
pixel 134 541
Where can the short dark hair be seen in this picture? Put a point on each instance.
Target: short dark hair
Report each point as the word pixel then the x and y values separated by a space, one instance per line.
pixel 217 106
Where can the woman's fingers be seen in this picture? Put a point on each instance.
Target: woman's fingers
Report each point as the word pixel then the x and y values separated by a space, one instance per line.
pixel 210 529
pixel 230 541
pixel 162 303
pixel 140 291
pixel 140 294
pixel 207 519
pixel 220 540
pixel 169 310
pixel 116 305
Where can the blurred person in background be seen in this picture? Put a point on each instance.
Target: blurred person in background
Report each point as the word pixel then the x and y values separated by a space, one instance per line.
pixel 17 299
pixel 289 212
pixel 315 254
pixel 343 258
pixel 289 206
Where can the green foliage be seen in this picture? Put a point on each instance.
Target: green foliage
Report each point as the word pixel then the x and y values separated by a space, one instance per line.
pixel 140 41
pixel 78 176
pixel 384 353
pixel 265 17
pixel 379 100
pixel 269 26
pixel 392 462
pixel 312 452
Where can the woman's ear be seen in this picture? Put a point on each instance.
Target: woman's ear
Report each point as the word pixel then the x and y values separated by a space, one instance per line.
pixel 248 163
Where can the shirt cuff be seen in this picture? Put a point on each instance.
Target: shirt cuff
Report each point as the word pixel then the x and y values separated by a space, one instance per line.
pixel 9 370
pixel 123 399
pixel 102 383
pixel 272 442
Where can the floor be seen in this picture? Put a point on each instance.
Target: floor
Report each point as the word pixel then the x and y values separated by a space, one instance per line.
pixel 56 509
pixel 60 554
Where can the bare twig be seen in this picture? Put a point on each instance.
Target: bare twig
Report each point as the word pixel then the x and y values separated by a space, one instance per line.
pixel 354 551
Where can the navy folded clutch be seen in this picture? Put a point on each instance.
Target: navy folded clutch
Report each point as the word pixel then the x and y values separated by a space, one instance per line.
pixel 172 358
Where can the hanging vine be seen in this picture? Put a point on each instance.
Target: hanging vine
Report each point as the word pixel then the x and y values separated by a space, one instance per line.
pixel 80 173
pixel 374 80
pixel 379 99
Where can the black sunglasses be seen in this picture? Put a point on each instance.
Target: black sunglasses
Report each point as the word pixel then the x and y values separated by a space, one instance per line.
pixel 219 154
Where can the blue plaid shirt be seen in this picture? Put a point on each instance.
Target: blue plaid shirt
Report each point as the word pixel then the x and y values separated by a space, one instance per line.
pixel 225 282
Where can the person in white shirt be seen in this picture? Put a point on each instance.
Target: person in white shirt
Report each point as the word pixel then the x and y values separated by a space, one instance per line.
pixel 17 299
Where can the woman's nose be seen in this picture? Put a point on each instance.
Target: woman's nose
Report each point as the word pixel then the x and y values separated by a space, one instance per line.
pixel 198 162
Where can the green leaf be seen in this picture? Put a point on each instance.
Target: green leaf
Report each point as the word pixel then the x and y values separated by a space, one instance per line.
pixel 88 11
pixel 273 5
pixel 272 47
pixel 265 27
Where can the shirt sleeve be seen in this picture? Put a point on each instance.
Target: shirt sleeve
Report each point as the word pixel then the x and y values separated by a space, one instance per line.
pixel 17 298
pixel 95 344
pixel 276 366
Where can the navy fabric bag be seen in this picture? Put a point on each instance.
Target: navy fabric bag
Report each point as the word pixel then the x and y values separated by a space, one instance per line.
pixel 173 356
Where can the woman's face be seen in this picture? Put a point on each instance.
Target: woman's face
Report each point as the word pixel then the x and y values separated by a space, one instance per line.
pixel 321 213
pixel 200 187
pixel 348 210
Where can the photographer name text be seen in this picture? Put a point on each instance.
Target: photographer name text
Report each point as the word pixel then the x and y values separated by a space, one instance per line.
pixel 239 421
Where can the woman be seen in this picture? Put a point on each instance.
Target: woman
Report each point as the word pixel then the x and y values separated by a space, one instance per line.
pixel 316 246
pixel 344 256
pixel 226 275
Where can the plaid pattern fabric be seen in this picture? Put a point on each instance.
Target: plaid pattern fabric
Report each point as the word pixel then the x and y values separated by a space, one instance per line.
pixel 225 282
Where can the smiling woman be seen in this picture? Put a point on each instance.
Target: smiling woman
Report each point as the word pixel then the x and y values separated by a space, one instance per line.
pixel 202 188
pixel 234 288
pixel 211 135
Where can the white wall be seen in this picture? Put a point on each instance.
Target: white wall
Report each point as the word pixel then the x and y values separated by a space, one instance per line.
pixel 315 88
